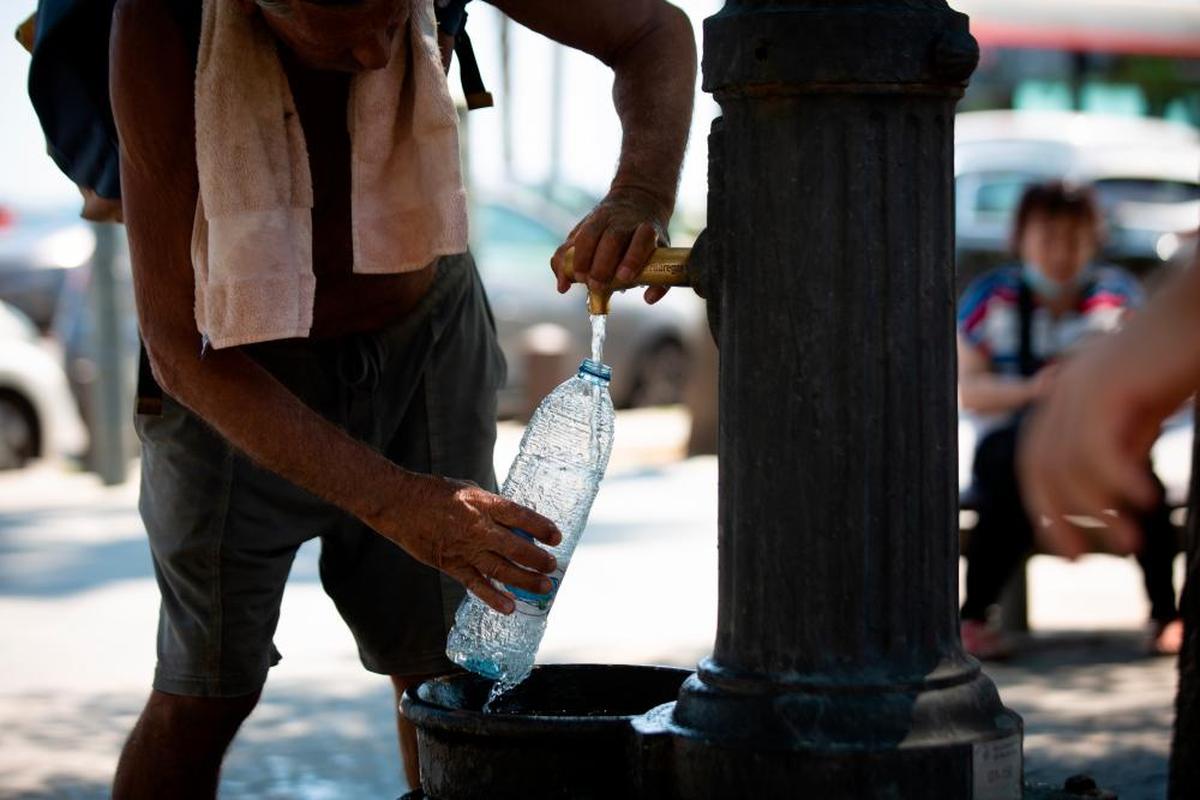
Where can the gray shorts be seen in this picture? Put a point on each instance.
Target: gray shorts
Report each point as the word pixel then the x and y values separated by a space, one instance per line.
pixel 223 531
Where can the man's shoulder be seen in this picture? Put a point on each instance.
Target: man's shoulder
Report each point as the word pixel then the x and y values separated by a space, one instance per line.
pixel 152 85
pixel 160 26
pixel 186 13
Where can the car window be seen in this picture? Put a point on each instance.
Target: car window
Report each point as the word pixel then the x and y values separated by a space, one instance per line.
pixel 499 226
pixel 997 194
pixel 1113 191
pixel 511 246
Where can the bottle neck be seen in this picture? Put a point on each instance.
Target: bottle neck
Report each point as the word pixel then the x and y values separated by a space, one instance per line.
pixel 595 372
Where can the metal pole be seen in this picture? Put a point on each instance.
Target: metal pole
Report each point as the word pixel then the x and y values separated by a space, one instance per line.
pixel 556 119
pixel 108 392
pixel 506 93
pixel 837 670
pixel 1185 746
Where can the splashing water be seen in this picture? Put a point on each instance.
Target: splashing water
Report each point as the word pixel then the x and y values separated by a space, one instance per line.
pixel 599 327
pixel 499 688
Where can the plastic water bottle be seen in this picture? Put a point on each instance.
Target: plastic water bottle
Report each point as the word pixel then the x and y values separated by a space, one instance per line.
pixel 563 455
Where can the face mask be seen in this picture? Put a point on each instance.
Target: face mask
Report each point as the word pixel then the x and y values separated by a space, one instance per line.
pixel 1046 287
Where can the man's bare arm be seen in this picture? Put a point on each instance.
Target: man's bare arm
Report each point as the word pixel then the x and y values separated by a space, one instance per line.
pixel 449 525
pixel 652 51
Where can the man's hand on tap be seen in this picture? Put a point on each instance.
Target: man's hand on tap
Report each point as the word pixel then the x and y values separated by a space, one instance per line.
pixel 615 240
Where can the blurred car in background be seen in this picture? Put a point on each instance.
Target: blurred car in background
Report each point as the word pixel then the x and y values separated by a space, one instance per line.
pixel 1146 173
pixel 38 417
pixel 515 234
pixel 38 249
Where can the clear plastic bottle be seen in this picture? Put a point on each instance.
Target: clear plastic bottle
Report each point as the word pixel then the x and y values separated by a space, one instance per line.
pixel 557 472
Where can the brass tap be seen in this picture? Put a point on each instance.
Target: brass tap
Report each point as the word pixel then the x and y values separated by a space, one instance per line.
pixel 668 266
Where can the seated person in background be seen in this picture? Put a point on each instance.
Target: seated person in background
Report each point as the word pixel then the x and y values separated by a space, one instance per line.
pixel 1015 324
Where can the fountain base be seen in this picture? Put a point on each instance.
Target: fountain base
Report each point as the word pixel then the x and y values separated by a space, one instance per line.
pixel 563 733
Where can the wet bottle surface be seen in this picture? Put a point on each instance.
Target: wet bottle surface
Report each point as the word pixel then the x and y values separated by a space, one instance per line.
pixel 557 472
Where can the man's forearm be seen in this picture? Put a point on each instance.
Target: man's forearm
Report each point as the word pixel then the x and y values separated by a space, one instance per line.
pixel 651 49
pixel 275 429
pixel 653 89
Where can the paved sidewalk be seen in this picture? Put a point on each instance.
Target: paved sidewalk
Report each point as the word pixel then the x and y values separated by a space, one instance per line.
pixel 78 608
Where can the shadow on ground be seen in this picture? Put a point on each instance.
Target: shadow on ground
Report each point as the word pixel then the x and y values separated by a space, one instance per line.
pixel 37 566
pixel 297 745
pixel 1093 703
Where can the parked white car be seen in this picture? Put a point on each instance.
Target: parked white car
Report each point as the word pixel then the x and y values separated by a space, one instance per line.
pixel 38 415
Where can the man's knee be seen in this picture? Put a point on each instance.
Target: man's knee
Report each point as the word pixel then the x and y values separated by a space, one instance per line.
pixel 219 716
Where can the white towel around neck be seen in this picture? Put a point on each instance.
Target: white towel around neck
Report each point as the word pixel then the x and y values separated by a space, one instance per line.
pixel 252 239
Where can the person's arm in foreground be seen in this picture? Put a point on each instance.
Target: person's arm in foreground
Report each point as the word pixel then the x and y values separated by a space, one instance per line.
pixel 450 525
pixel 651 49
pixel 1085 449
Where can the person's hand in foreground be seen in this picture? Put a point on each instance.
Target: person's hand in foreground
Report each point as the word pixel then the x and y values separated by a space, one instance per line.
pixel 1085 448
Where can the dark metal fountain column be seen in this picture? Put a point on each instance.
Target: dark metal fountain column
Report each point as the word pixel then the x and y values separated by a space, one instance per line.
pixel 837 670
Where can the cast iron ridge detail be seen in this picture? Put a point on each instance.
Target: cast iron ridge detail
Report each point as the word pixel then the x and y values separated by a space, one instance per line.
pixel 887 718
pixel 793 48
pixel 950 672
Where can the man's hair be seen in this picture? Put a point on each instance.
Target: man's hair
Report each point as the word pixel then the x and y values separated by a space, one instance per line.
pixel 1058 200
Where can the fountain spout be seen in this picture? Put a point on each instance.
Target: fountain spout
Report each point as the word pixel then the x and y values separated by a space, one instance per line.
pixel 668 266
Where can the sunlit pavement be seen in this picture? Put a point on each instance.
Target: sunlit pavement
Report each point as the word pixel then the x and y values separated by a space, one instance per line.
pixel 78 609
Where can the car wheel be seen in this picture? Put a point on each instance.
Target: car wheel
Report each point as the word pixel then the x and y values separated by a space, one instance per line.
pixel 660 376
pixel 18 431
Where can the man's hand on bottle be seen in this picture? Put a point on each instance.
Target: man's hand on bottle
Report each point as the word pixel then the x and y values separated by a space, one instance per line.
pixel 615 240
pixel 466 533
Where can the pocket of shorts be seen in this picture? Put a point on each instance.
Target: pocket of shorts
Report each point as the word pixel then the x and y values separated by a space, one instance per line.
pixel 145 425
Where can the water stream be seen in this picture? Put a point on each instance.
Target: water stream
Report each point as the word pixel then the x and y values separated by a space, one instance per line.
pixel 599 327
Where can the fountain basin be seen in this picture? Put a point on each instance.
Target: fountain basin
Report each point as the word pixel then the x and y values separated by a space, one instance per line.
pixel 563 733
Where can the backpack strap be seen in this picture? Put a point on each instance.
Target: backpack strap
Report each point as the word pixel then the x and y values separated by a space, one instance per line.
pixel 452 21
pixel 468 68
pixel 1027 362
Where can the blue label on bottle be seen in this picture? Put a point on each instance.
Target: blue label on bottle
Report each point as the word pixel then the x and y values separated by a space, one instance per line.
pixel 482 666
pixel 533 604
